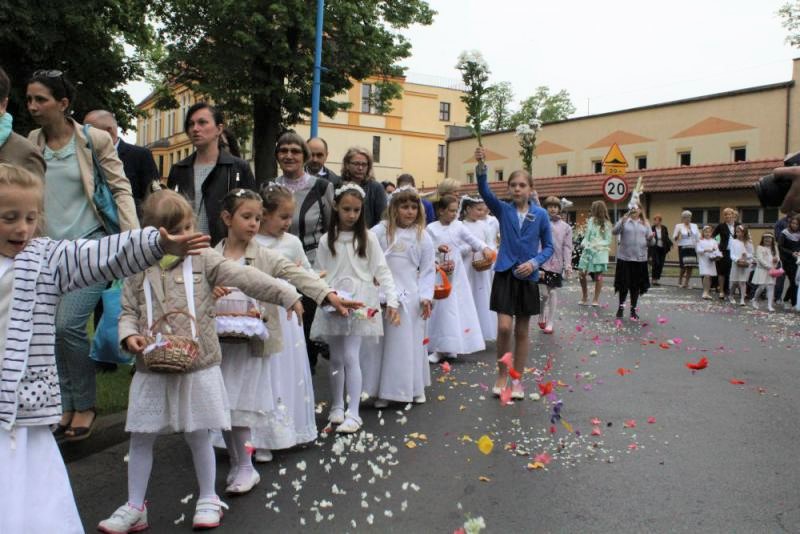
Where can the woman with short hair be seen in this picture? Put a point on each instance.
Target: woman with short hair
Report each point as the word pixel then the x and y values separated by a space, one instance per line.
pixel 725 230
pixel 206 176
pixel 357 168
pixel 686 235
pixel 660 249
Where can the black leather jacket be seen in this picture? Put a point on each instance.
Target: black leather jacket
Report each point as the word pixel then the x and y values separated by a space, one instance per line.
pixel 229 173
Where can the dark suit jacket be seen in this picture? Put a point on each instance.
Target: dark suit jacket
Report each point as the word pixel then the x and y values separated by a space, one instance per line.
pixel 665 240
pixel 140 168
pixel 724 236
pixel 332 177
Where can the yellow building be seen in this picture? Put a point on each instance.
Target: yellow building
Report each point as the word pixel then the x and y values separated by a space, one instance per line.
pixel 408 139
pixel 701 154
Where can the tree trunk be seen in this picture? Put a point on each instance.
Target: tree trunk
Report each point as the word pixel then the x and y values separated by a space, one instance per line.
pixel 266 128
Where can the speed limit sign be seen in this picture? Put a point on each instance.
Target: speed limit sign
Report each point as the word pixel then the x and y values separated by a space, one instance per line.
pixel 615 189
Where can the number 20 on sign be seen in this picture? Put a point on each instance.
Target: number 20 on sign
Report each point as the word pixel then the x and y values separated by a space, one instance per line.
pixel 615 189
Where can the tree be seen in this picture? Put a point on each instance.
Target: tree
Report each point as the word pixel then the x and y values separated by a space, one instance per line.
pixel 85 40
pixel 497 102
pixel 544 106
pixel 255 58
pixel 790 13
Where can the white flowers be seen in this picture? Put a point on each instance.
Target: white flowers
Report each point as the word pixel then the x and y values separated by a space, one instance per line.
pixel 472 58
pixel 474 525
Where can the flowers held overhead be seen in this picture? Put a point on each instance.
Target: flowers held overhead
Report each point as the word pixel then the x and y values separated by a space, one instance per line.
pixel 475 75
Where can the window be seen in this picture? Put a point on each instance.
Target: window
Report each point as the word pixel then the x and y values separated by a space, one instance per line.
pixel 702 216
pixel 444 111
pixel 170 123
pixel 161 164
pixel 597 166
pixel 641 163
pixel 184 106
pixel 376 148
pixel 368 95
pixel 498 175
pixel 470 177
pixel 440 158
pixel 562 169
pixel 684 158
pixel 758 215
pixel 739 153
pixel 144 131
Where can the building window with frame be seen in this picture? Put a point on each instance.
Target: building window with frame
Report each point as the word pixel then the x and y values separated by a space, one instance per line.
pixel 597 166
pixel 562 169
pixel 184 106
pixel 376 148
pixel 702 216
pixel 498 175
pixel 758 215
pixel 470 177
pixel 739 153
pixel 444 111
pixel 367 96
pixel 685 158
pixel 641 163
pixel 440 152
pixel 157 126
pixel 170 123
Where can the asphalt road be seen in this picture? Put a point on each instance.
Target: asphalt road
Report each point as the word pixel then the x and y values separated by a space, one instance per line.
pixel 705 454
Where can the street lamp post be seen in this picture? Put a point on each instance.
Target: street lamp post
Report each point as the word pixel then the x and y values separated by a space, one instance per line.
pixel 315 90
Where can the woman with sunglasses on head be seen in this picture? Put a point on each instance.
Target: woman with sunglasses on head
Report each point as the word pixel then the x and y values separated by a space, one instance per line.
pixel 71 213
pixel 313 200
pixel 357 168
pixel 206 176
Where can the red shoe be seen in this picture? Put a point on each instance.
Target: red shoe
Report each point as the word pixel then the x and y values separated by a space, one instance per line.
pixel 542 325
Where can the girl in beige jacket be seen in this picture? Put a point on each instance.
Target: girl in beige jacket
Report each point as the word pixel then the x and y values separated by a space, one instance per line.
pixel 193 402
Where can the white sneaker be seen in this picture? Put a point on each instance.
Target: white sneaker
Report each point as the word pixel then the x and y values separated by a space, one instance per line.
pixel 208 513
pixel 125 519
pixel 434 357
pixel 351 425
pixel 381 403
pixel 420 399
pixel 336 416
pixel 263 456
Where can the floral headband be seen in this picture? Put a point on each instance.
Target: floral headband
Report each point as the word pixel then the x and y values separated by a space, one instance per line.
pixel 406 187
pixel 350 187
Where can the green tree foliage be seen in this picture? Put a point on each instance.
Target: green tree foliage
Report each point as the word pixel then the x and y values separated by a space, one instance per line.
pixel 544 106
pixel 790 13
pixel 255 58
pixel 497 103
pixel 96 43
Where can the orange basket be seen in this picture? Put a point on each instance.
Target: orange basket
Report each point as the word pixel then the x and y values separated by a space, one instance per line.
pixel 442 291
pixel 481 262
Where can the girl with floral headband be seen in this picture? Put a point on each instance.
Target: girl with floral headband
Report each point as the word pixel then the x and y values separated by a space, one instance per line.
pixel 353 260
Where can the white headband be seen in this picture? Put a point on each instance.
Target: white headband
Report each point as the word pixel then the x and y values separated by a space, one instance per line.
pixel 350 186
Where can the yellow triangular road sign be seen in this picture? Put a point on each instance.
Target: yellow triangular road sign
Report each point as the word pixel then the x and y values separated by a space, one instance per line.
pixel 614 158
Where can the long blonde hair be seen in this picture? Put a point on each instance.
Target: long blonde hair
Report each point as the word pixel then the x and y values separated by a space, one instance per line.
pixel 400 197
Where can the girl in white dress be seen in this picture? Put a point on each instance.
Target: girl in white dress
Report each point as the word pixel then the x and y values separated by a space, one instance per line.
pixel 480 282
pixel 454 327
pixel 400 366
pixel 192 402
pixel 292 387
pixel 34 274
pixel 707 253
pixel 766 258
pixel 246 367
pixel 352 258
pixel 742 259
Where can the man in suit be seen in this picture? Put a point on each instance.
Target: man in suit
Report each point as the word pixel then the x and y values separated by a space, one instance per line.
pixel 316 164
pixel 138 162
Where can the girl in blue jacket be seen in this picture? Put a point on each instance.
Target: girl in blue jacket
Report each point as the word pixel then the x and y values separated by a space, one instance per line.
pixel 525 244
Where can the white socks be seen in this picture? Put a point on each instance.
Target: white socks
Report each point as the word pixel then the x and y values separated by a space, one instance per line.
pixel 345 367
pixel 241 460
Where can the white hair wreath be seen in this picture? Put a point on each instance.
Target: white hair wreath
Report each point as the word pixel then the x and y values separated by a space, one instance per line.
pixel 350 186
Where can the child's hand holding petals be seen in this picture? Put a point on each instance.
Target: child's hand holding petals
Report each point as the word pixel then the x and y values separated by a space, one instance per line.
pixel 342 306
pixel 182 245
pixel 135 344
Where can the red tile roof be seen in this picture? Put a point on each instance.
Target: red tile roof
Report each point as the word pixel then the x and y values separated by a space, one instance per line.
pixel 718 176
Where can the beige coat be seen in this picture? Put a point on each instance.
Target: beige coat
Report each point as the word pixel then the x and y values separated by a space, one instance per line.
pixel 20 152
pixel 274 264
pixel 209 269
pixel 107 155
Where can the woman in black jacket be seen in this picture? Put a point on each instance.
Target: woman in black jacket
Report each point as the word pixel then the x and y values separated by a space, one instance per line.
pixel 207 175
pixel 659 251
pixel 725 232
pixel 357 168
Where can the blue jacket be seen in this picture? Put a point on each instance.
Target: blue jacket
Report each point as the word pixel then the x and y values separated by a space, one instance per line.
pixel 518 245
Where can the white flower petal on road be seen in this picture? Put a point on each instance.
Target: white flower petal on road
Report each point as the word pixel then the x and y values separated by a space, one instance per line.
pixel 187 498
pixel 180 520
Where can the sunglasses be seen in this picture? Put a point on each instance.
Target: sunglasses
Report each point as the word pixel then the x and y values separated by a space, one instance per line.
pixel 48 74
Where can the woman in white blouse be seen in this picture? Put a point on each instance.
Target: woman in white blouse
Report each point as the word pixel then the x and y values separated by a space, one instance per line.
pixel 686 235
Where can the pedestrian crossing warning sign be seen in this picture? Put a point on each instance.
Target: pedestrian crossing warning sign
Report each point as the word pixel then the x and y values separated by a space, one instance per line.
pixel 615 162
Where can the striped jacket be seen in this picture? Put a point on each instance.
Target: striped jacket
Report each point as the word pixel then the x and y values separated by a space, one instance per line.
pixel 43 271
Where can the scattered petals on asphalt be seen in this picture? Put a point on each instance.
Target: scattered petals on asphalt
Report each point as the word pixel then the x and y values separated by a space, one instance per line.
pixel 485 444
pixel 702 363
pixel 737 382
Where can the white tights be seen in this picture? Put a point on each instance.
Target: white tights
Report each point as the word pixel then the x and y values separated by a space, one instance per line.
pixel 345 365
pixel 241 460
pixel 549 305
pixel 770 288
pixel 140 463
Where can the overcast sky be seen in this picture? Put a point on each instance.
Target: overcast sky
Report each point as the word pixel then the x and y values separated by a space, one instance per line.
pixel 608 55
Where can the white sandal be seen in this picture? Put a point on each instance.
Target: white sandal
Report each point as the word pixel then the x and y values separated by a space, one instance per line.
pixel 336 416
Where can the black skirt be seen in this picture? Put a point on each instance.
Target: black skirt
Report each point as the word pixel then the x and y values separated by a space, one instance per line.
pixel 631 275
pixel 550 279
pixel 512 296
pixel 687 257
